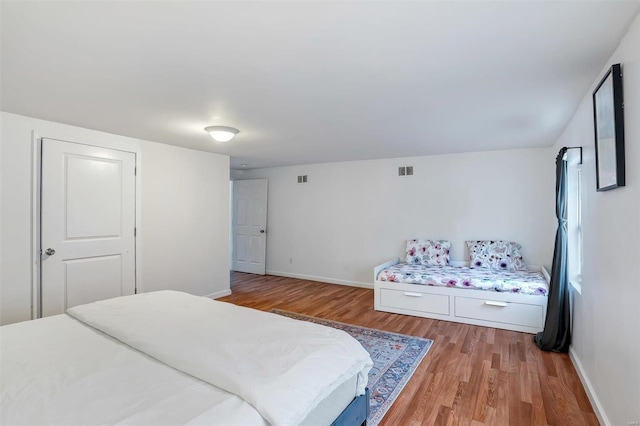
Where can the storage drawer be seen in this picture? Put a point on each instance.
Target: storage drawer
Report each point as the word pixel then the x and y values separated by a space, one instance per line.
pixel 504 312
pixel 415 301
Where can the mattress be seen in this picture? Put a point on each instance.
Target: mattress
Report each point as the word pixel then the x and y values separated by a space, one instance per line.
pixel 330 408
pixel 522 282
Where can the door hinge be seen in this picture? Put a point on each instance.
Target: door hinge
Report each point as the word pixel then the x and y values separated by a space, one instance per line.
pixel 135 232
pixel 135 171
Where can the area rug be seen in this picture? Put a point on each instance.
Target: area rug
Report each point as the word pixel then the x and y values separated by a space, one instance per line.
pixel 395 358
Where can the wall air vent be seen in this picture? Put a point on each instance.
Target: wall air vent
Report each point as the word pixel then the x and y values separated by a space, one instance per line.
pixel 405 171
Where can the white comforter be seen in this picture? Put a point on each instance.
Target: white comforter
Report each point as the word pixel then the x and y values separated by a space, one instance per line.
pixel 280 366
pixel 58 371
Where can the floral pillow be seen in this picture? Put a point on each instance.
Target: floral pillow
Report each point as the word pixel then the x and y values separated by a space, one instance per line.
pixel 428 252
pixel 500 255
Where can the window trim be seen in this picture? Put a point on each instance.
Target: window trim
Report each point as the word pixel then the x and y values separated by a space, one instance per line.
pixel 575 228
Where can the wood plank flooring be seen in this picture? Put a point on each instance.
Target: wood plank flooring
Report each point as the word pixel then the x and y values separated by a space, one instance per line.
pixel 471 376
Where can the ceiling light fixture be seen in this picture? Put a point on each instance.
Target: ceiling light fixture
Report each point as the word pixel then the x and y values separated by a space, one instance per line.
pixel 222 133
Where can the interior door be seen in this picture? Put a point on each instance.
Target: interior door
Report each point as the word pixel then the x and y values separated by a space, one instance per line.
pixel 249 225
pixel 88 221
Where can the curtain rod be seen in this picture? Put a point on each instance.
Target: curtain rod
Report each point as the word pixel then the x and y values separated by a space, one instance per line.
pixel 576 147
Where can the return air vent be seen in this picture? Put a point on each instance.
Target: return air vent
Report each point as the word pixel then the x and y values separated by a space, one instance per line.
pixel 302 179
pixel 405 171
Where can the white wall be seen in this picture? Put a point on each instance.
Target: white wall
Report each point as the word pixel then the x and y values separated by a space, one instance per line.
pixel 606 336
pixel 185 214
pixel 352 216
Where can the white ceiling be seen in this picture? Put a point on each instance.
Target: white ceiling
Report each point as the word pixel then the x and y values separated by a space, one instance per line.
pixel 310 82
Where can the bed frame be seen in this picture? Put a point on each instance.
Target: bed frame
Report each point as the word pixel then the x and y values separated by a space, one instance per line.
pixel 356 412
pixel 508 311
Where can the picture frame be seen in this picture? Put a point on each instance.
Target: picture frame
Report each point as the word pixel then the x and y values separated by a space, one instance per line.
pixel 608 122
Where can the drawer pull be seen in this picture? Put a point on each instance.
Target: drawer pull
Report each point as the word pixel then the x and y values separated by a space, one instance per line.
pixel 493 303
pixel 410 294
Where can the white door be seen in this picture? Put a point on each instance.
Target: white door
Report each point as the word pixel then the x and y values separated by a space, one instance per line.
pixel 88 220
pixel 249 225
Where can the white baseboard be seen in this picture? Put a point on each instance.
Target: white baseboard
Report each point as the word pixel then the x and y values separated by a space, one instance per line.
pixel 321 279
pixel 218 294
pixel 591 393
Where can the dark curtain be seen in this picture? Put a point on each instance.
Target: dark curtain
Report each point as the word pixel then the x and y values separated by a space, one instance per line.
pixel 556 335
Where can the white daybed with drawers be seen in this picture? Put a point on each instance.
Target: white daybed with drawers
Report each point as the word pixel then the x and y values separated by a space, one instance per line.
pixel 501 306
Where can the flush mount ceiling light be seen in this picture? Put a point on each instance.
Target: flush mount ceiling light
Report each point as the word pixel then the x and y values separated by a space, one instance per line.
pixel 222 133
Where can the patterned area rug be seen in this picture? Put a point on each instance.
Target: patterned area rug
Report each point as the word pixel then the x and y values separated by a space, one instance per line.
pixel 395 358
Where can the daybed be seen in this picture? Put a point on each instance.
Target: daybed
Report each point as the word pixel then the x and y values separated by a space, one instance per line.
pixel 172 358
pixel 513 299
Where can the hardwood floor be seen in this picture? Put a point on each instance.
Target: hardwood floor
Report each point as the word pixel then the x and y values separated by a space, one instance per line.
pixel 471 376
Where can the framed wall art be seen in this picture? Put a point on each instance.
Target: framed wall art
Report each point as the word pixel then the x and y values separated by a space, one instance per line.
pixel 608 120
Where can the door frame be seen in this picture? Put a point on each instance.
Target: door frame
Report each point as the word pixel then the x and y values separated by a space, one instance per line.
pixel 95 139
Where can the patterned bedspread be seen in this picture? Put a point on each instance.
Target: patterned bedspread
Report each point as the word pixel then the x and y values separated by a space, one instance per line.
pixel 523 282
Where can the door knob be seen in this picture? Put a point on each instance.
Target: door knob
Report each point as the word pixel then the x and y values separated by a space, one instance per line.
pixel 262 231
pixel 49 252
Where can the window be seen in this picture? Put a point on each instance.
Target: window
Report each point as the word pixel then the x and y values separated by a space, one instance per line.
pixel 574 217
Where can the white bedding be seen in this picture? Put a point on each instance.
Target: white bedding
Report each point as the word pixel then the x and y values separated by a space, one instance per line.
pixel 95 380
pixel 170 349
pixel 282 367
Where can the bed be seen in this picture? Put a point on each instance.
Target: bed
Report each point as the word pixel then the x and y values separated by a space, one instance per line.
pixel 172 358
pixel 426 284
